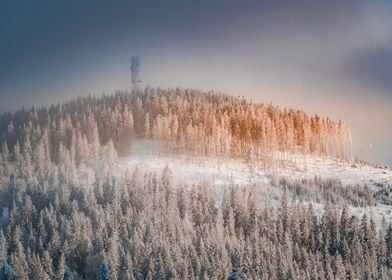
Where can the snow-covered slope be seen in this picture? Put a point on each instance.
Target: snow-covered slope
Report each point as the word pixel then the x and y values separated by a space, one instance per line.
pixel 224 172
pixel 227 171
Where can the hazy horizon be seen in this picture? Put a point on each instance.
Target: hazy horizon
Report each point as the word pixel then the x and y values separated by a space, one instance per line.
pixel 330 58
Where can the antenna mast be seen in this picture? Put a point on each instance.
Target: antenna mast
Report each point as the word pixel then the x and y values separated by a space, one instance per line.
pixel 135 80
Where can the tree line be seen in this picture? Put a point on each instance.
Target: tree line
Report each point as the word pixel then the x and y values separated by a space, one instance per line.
pixel 200 123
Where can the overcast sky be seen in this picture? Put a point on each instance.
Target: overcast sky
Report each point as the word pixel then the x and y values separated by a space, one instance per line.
pixel 330 57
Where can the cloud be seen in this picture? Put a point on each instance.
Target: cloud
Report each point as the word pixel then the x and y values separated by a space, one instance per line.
pixel 372 67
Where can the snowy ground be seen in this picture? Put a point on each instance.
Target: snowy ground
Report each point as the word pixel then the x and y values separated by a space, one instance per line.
pixel 224 172
pixel 353 174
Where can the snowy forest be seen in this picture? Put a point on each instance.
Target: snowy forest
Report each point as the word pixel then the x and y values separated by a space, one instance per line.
pixel 68 213
pixel 182 120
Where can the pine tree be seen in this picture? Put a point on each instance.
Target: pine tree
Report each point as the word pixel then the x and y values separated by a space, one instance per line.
pixel 111 156
pixel 68 274
pixel 16 153
pixel 388 241
pixel 7 272
pixel 104 272
pixel 285 209
pixel 4 159
pixel 47 264
pixel 3 247
pixel 19 261
pixel 60 271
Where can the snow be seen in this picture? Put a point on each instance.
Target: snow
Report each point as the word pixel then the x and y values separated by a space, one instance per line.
pixel 377 213
pixel 224 172
pixel 348 173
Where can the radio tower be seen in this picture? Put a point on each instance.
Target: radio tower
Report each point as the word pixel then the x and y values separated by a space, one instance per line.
pixel 135 64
